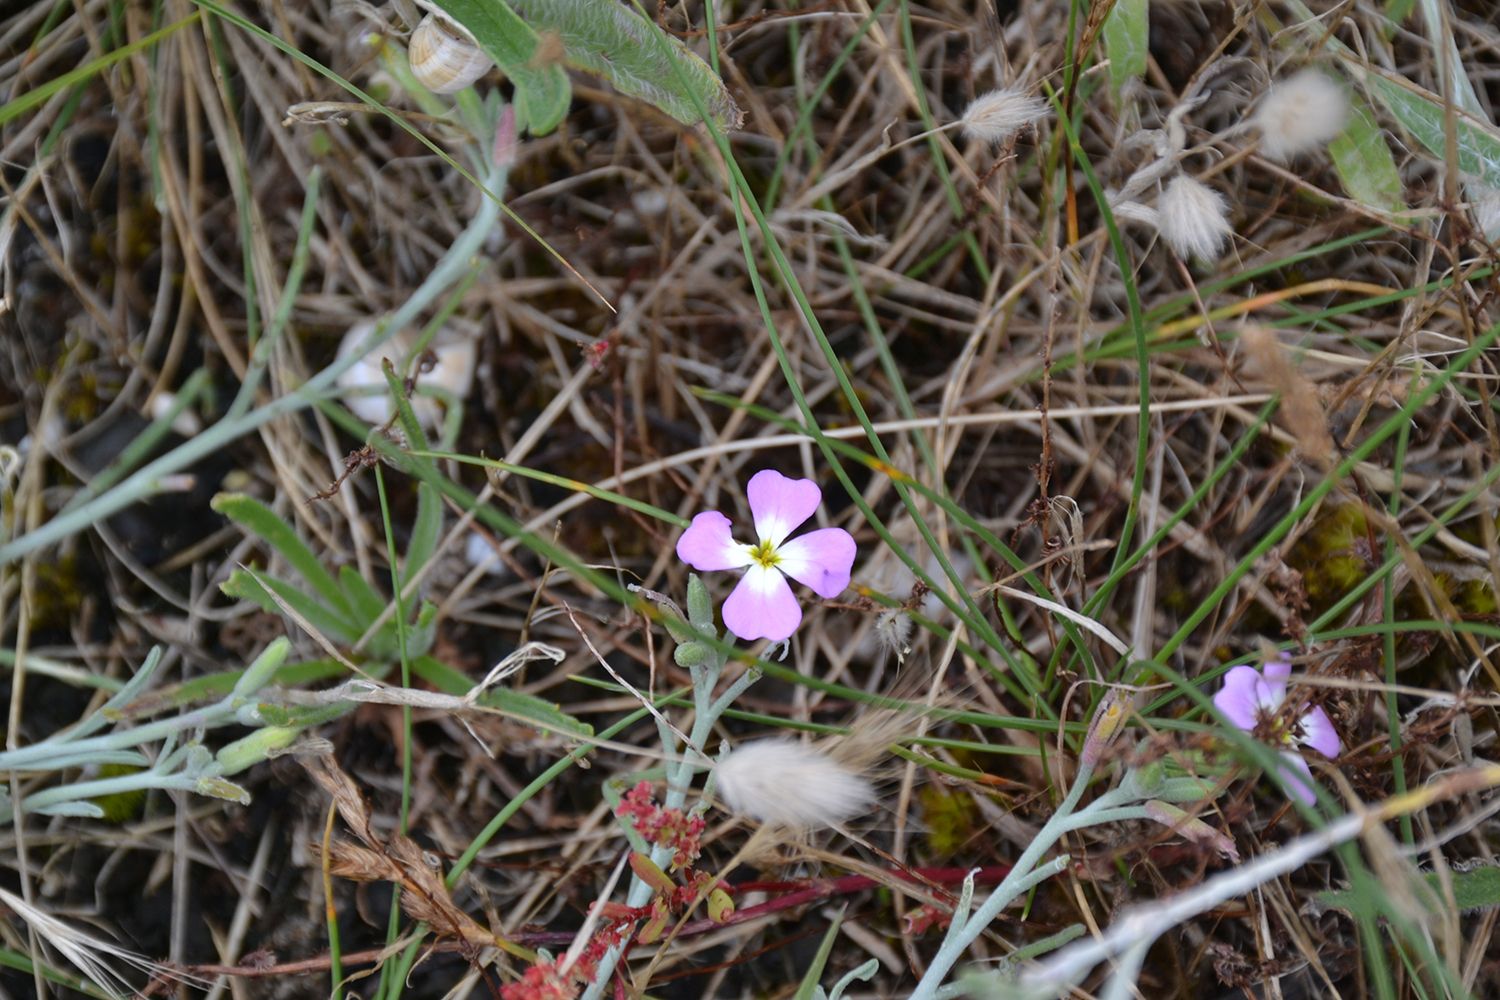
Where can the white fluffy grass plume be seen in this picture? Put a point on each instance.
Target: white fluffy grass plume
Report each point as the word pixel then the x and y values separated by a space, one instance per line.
pixel 1000 114
pixel 1193 219
pixel 1300 114
pixel 783 783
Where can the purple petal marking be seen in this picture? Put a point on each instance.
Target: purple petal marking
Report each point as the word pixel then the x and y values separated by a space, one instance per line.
pixel 762 606
pixel 1298 777
pixel 706 545
pixel 780 505
pixel 1237 699
pixel 821 559
pixel 1317 732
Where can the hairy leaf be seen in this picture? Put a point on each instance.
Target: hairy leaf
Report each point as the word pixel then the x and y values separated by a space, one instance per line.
pixel 609 39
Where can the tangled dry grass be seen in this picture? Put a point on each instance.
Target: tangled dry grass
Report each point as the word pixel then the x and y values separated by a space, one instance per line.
pixel 1292 444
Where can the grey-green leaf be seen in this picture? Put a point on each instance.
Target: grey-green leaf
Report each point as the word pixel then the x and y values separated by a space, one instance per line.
pixel 1421 114
pixel 609 39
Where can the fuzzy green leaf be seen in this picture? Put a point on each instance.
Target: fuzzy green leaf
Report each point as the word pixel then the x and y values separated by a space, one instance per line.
pixel 1364 163
pixel 542 92
pixel 1475 889
pixel 700 607
pixel 609 39
pixel 259 673
pixel 1421 113
pixel 1127 40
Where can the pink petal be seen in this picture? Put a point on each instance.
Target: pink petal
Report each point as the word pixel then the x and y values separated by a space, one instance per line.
pixel 1298 777
pixel 1278 669
pixel 1237 698
pixel 706 545
pixel 762 606
pixel 779 505
pixel 821 559
pixel 1269 695
pixel 1317 732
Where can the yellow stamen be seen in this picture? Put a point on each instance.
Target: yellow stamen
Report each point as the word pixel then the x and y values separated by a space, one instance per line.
pixel 765 554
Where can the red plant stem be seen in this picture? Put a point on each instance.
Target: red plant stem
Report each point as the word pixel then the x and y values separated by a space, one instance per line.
pixel 794 894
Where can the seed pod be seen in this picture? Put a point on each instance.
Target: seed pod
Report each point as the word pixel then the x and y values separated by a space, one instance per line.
pixel 443 56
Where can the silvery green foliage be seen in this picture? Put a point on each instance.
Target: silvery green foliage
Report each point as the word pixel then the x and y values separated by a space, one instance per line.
pixel 180 762
pixel 705 664
pixel 863 974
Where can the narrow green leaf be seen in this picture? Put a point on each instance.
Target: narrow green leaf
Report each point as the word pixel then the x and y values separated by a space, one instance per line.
pixel 424 532
pixel 256 518
pixel 249 585
pixel 1364 163
pixel 1127 32
pixel 609 39
pixel 542 92
pixel 365 601
pixel 406 417
pixel 808 989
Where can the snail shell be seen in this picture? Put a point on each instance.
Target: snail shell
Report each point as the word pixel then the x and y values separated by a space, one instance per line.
pixel 444 57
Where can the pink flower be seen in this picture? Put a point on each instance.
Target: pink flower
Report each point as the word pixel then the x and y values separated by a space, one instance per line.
pixel 1252 700
pixel 762 605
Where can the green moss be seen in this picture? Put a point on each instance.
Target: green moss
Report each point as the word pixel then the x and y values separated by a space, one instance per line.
pixel 122 806
pixel 950 818
pixel 58 594
pixel 1333 556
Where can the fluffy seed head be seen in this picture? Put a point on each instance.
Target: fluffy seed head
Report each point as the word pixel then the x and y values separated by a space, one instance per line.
pixel 893 632
pixel 783 783
pixel 1000 114
pixel 1192 219
pixel 1300 114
